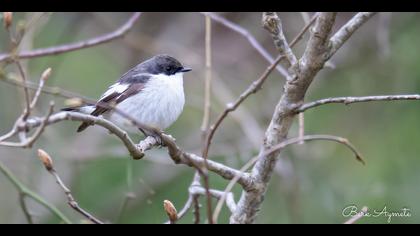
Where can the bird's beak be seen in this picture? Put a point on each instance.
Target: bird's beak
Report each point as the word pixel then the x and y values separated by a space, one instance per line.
pixel 185 69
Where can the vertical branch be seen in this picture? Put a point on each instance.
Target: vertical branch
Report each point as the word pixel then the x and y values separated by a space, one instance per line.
pixel 194 198
pixel 25 90
pixel 301 127
pixel 25 208
pixel 292 98
pixel 207 86
pixel 196 210
pixel 206 115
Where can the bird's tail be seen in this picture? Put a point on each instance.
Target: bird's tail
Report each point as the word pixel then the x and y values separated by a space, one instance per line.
pixel 82 109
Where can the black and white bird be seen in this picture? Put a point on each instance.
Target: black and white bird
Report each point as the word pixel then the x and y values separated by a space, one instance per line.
pixel 152 93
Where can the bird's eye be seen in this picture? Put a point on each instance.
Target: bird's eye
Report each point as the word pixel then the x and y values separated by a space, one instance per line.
pixel 168 68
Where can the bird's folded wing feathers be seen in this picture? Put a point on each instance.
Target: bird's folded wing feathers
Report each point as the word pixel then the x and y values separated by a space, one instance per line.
pixel 116 94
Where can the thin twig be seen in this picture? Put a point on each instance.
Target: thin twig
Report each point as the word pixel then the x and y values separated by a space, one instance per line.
pixel 253 88
pixel 73 204
pixel 177 155
pixel 347 30
pixel 272 24
pixel 30 141
pixel 47 162
pixel 26 112
pixel 26 91
pixel 276 148
pixel 206 115
pixel 42 80
pixel 186 207
pixel 196 210
pixel 56 91
pixel 350 100
pixel 245 33
pixel 25 191
pixel 207 85
pixel 301 126
pixel 25 209
pixel 118 33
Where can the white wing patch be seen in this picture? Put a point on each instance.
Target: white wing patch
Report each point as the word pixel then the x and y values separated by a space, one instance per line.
pixel 115 88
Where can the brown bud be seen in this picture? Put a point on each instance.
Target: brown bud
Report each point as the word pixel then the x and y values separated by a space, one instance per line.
pixel 46 159
pixel 7 18
pixel 171 211
pixel 46 74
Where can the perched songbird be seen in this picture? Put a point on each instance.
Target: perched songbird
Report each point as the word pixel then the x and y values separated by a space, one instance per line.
pixel 152 93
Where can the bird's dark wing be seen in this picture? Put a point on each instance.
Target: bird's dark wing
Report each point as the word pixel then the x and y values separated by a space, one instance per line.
pixel 123 89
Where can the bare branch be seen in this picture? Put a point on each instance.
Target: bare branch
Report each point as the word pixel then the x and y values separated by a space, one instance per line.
pixel 333 138
pixel 177 155
pixel 195 191
pixel 347 30
pixel 147 143
pixel 230 203
pixel 186 207
pixel 196 210
pixel 23 190
pixel 317 43
pixel 277 148
pixel 245 33
pixel 207 85
pixel 74 116
pixel 301 126
pixel 29 142
pixel 292 98
pixel 303 31
pixel 25 90
pixel 73 204
pixel 253 88
pixel 42 80
pixel 272 24
pixel 25 209
pixel 350 100
pixel 118 33
pixel 206 115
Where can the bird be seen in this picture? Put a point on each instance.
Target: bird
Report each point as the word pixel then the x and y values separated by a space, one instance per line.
pixel 152 93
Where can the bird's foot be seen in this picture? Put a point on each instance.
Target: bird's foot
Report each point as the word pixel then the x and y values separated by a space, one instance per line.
pixel 155 135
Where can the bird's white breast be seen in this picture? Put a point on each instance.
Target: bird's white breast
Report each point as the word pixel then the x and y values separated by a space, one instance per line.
pixel 158 104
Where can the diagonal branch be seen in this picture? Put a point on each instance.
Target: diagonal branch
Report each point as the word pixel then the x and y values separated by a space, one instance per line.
pixel 47 161
pixel 251 39
pixel 349 100
pixel 277 148
pixel 272 24
pixel 23 190
pixel 253 88
pixel 176 154
pixel 118 33
pixel 347 30
pixel 29 142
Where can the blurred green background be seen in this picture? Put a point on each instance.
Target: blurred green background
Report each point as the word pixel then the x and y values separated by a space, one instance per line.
pixel 312 182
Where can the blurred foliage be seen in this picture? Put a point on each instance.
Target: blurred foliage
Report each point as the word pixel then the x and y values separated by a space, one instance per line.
pixel 314 181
